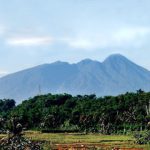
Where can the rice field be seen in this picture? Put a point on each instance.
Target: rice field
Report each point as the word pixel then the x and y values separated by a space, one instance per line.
pixel 89 141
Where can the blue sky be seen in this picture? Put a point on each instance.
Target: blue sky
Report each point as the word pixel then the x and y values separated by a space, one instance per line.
pixel 34 32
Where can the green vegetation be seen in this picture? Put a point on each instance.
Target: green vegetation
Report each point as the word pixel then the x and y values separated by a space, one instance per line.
pixel 116 115
pixel 99 141
pixel 142 137
pixel 63 112
pixel 62 138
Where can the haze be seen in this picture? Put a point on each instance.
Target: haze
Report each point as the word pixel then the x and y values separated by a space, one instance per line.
pixel 34 32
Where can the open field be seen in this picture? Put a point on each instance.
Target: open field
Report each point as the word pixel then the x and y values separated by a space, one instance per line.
pixel 75 137
pixel 90 140
pixel 97 141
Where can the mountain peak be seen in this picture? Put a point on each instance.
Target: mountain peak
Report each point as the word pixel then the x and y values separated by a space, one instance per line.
pixel 59 62
pixel 87 61
pixel 116 58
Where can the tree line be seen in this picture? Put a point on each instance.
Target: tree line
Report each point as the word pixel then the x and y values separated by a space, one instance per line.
pixel 83 113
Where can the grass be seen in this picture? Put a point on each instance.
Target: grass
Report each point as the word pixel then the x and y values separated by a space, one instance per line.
pixel 75 138
pixel 89 139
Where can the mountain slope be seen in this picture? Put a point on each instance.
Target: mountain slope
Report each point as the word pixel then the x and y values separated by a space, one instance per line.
pixel 115 75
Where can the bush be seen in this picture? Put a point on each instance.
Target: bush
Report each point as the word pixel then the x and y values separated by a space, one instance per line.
pixel 142 137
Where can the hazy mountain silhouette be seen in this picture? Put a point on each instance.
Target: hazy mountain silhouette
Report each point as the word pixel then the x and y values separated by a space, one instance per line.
pixel 115 75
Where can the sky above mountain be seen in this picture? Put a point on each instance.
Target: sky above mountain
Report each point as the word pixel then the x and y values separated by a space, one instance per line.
pixel 34 32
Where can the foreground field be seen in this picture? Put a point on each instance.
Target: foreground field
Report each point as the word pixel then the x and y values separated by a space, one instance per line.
pixel 75 137
pixel 90 141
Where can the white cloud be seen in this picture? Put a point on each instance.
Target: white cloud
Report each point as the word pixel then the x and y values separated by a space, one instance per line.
pixel 121 37
pixel 2 73
pixel 29 41
pixel 79 42
pixel 129 36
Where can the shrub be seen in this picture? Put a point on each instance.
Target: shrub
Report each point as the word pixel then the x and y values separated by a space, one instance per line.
pixel 142 137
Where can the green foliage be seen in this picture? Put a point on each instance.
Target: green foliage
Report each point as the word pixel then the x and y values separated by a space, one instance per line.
pixel 110 114
pixel 6 106
pixel 142 137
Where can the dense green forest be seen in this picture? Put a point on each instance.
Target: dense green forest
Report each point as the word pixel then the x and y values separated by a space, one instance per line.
pixel 88 113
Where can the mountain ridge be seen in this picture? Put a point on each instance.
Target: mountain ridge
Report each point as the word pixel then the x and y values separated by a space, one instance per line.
pixel 115 75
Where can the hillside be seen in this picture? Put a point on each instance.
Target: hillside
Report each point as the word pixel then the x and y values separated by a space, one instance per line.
pixel 115 75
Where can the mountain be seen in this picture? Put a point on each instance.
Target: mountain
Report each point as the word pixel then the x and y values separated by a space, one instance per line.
pixel 115 75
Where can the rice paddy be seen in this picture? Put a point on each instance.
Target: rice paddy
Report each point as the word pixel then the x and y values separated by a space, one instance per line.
pixel 90 141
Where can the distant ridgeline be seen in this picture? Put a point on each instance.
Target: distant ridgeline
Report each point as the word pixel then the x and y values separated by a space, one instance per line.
pixel 115 75
pixel 64 112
